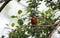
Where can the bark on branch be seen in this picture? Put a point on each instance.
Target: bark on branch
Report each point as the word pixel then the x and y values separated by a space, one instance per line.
pixel 53 30
pixel 6 2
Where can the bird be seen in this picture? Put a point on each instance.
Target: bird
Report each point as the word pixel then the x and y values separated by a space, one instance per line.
pixel 34 20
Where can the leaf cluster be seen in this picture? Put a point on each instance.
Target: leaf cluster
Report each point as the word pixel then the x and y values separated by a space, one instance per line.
pixel 35 32
pixel 52 5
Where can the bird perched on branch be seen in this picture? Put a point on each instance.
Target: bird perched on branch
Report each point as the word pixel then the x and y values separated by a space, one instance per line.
pixel 34 20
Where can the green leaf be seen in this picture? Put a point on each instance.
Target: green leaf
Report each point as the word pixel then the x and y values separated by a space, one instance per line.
pixel 19 0
pixel 19 11
pixel 20 22
pixel 28 9
pixel 42 14
pixel 13 16
pixel 29 23
pixel 12 24
pixel 29 1
pixel 7 25
pixel 48 11
pixel 2 36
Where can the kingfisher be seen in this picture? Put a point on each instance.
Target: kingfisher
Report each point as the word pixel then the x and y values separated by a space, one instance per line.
pixel 34 19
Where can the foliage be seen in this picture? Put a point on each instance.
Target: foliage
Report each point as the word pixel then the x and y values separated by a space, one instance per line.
pixel 46 18
pixel 51 4
pixel 19 33
pixel 33 5
pixel 22 32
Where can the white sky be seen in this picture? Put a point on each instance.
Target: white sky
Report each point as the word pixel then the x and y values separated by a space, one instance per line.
pixel 11 9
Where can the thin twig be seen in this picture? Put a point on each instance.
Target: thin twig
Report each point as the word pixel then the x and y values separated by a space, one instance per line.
pixel 36 25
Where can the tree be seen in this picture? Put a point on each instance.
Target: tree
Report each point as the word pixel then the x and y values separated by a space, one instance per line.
pixel 45 21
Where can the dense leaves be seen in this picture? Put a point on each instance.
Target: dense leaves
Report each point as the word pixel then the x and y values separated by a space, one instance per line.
pixel 26 32
pixel 19 33
pixel 46 17
pixel 33 5
pixel 52 5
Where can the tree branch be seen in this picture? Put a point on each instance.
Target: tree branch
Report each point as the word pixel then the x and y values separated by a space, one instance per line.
pixel 51 33
pixel 6 2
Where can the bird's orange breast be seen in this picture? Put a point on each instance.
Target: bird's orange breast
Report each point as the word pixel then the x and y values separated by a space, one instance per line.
pixel 34 21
